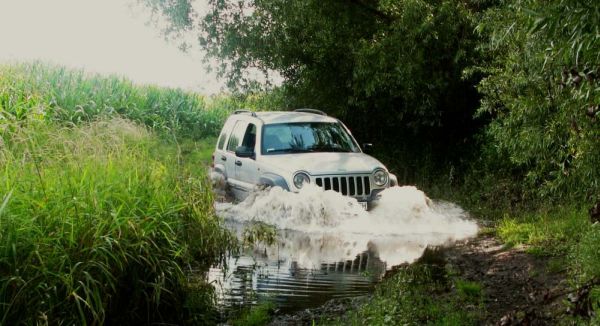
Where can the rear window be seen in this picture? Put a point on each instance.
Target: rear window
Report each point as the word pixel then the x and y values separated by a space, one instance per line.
pixel 224 133
pixel 221 142
pixel 236 135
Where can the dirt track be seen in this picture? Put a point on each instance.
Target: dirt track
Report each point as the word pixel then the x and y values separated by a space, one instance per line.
pixel 518 288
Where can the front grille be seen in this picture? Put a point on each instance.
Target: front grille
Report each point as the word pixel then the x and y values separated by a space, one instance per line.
pixel 359 185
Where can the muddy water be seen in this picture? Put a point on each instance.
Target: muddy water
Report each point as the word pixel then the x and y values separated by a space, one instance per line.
pixel 327 246
pixel 272 273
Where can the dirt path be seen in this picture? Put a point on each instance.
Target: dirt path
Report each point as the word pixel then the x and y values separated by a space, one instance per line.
pixel 519 288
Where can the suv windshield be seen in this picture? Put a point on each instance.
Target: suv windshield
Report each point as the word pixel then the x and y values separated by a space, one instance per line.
pixel 306 137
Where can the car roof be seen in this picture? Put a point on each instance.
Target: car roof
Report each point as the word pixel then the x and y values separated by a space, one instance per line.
pixel 273 117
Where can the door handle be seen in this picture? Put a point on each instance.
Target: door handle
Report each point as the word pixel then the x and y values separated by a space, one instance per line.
pixel 238 163
pixel 223 158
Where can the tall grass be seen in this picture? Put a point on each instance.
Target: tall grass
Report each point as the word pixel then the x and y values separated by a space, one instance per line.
pixel 65 95
pixel 99 215
pixel 96 223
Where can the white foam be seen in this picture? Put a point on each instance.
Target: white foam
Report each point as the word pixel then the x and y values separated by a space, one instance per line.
pixel 329 226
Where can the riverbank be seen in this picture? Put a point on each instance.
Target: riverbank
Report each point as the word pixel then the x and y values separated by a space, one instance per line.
pixel 492 279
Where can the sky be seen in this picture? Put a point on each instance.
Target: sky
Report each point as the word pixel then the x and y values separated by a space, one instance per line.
pixel 100 36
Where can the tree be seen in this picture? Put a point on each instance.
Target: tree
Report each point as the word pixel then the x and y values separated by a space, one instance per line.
pixel 391 69
pixel 543 92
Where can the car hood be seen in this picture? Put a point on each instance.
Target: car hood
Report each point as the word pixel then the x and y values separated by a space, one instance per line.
pixel 324 163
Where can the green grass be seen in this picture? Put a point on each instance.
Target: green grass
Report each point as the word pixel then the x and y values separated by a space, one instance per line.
pixel 198 152
pixel 584 256
pixel 58 94
pixel 468 290
pixel 566 238
pixel 255 316
pixel 96 224
pixel 104 201
pixel 417 295
pixel 546 233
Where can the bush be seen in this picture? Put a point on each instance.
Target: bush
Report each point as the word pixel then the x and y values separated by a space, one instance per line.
pixel 541 93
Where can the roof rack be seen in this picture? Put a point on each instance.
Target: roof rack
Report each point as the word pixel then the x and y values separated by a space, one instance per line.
pixel 311 111
pixel 245 111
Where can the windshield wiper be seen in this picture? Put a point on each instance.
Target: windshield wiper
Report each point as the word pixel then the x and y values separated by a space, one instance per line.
pixel 330 149
pixel 291 150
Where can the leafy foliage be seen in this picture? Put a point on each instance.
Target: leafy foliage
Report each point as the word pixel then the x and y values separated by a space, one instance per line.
pixel 542 92
pixel 402 74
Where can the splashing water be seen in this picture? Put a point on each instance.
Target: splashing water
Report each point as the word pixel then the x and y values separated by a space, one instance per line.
pixel 318 226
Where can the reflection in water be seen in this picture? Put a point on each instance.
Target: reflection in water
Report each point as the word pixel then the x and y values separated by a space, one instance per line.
pixel 272 273
pixel 327 246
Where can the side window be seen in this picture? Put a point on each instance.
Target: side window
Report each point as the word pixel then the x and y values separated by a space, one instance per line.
pixel 221 142
pixel 250 136
pixel 223 137
pixel 236 135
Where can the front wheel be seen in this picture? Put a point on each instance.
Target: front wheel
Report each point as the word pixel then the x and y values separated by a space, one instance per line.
pixel 219 185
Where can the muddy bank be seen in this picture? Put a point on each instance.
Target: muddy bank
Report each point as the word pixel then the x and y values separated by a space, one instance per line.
pixel 517 287
pixel 332 310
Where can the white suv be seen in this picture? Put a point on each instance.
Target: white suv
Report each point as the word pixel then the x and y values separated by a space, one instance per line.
pixel 290 149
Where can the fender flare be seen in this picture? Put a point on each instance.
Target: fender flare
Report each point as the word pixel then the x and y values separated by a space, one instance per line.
pixel 393 180
pixel 221 170
pixel 273 180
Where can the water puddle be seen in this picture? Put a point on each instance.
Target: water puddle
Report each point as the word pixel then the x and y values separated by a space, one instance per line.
pixel 327 246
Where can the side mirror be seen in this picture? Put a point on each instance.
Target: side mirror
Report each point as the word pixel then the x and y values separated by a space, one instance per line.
pixel 367 148
pixel 243 151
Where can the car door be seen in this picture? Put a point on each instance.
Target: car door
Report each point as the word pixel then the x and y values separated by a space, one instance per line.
pixel 235 139
pixel 246 168
pixel 220 154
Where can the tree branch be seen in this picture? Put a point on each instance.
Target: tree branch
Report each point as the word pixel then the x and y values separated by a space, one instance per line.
pixel 372 10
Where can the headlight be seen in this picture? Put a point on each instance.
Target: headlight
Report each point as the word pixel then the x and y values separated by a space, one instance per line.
pixel 300 179
pixel 380 177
